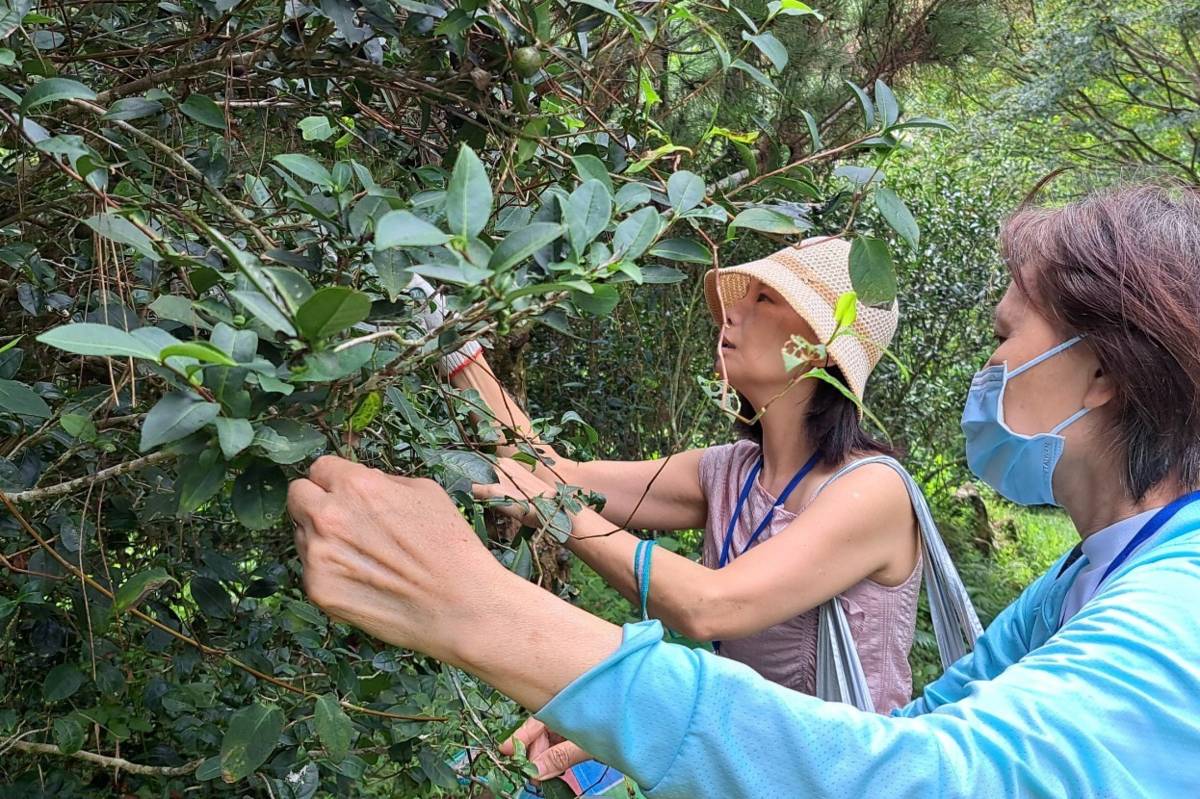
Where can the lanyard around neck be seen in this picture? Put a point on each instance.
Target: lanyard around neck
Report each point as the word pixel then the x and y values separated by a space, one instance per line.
pixel 745 493
pixel 1148 529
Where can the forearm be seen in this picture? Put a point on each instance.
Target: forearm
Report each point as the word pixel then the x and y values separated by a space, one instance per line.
pixel 683 593
pixel 525 641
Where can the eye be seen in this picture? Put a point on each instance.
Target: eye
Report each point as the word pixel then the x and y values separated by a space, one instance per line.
pixel 763 297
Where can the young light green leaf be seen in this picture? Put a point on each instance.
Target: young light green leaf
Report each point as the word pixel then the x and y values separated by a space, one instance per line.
pixel 53 90
pixel 468 195
pixel 260 495
pixel 636 233
pixel 333 727
pixel 20 399
pixel 846 309
pixel 522 243
pixel 305 168
pixel 89 338
pixel 138 587
pixel 122 231
pixel 898 216
pixel 871 271
pixel 405 229
pixel 589 210
pixel 251 738
pixel 173 417
pixel 61 682
pixel 234 435
pixel 793 8
pixel 200 350
pixel 685 190
pixel 331 310
pixel 203 110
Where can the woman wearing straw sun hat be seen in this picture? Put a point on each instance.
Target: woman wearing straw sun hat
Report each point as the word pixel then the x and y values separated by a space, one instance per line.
pixel 815 537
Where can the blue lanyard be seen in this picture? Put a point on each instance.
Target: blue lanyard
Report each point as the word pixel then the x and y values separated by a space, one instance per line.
pixel 1150 528
pixel 737 513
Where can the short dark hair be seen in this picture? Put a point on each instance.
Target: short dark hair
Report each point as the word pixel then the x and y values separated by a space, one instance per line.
pixel 1122 267
pixel 832 424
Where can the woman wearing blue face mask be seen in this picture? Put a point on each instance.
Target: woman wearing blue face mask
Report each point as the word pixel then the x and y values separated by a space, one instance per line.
pixel 1087 686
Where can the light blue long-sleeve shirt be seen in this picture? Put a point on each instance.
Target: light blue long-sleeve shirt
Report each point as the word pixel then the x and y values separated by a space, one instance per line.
pixel 1107 705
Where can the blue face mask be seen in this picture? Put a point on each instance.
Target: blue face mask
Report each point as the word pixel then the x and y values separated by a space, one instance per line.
pixel 1019 467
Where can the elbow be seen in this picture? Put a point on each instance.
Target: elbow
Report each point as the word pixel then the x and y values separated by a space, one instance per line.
pixel 704 618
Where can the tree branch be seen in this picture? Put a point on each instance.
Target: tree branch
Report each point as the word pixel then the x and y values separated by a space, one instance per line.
pixel 108 762
pixel 79 483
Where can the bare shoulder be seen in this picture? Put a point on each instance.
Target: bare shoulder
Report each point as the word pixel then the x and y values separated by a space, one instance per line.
pixel 876 490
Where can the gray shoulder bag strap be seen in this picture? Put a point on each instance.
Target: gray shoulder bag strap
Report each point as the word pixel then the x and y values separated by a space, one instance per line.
pixel 840 676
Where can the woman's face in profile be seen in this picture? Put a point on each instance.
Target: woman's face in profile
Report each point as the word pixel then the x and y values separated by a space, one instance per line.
pixel 756 330
pixel 1050 392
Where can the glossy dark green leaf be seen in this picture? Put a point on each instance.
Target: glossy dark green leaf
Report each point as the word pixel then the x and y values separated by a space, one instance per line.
pixel 53 90
pixel 468 195
pixel 173 417
pixel 20 399
pixel 61 682
pixel 522 244
pixel 636 233
pixel 333 727
pixel 405 229
pixel 871 271
pixel 204 110
pixel 684 250
pixel 685 190
pixel 260 495
pixel 252 736
pixel 599 303
pixel 68 735
pixel 331 310
pixel 306 168
pixel 211 597
pixel 589 167
pixel 589 210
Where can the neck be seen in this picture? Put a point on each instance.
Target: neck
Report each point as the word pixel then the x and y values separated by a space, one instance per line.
pixel 1094 496
pixel 785 443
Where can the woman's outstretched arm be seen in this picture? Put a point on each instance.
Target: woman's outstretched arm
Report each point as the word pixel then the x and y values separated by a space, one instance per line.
pixel 658 494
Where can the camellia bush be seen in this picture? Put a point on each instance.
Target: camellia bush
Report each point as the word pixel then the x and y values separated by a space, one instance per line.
pixel 211 219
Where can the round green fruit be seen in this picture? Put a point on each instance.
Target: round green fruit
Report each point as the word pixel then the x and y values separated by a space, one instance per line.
pixel 527 61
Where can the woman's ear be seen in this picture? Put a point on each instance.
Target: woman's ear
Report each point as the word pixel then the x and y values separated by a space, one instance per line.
pixel 1100 389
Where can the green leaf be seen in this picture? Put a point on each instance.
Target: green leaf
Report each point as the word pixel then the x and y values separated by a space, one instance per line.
pixel 68 735
pixel 264 311
pixel 754 72
pixel 365 411
pixel 468 195
pixel 684 250
pixel 589 210
pixel 814 133
pixel 846 309
pixel 20 399
pixel 404 229
pixel 260 495
pixel 138 587
pixel 52 90
pixel 198 481
pixel 924 122
pixel 898 216
pixel 316 128
pixel 203 110
pixel 769 46
pixel 522 243
pixel 61 682
pixel 868 108
pixel 767 220
pixel 333 727
pixel 211 597
pixel 305 168
pixel 630 196
pixel 173 417
pixel 89 338
pixel 200 350
pixel 657 273
pixel 177 309
pixel 287 441
pixel 599 303
pixel 251 738
pixel 871 271
pixel 234 435
pixel 792 8
pixel 889 107
pixel 119 229
pixel 129 108
pixel 589 167
pixel 331 310
pixel 636 233
pixel 685 190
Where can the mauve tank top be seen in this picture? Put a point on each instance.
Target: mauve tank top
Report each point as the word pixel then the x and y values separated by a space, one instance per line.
pixel 882 618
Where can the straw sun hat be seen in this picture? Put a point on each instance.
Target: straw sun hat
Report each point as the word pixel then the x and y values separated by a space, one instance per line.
pixel 811 275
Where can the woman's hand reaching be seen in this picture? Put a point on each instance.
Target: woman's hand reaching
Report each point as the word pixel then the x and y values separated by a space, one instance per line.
pixel 549 751
pixel 520 486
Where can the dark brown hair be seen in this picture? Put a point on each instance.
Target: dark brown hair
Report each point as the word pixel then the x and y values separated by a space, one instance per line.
pixel 1122 267
pixel 832 424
